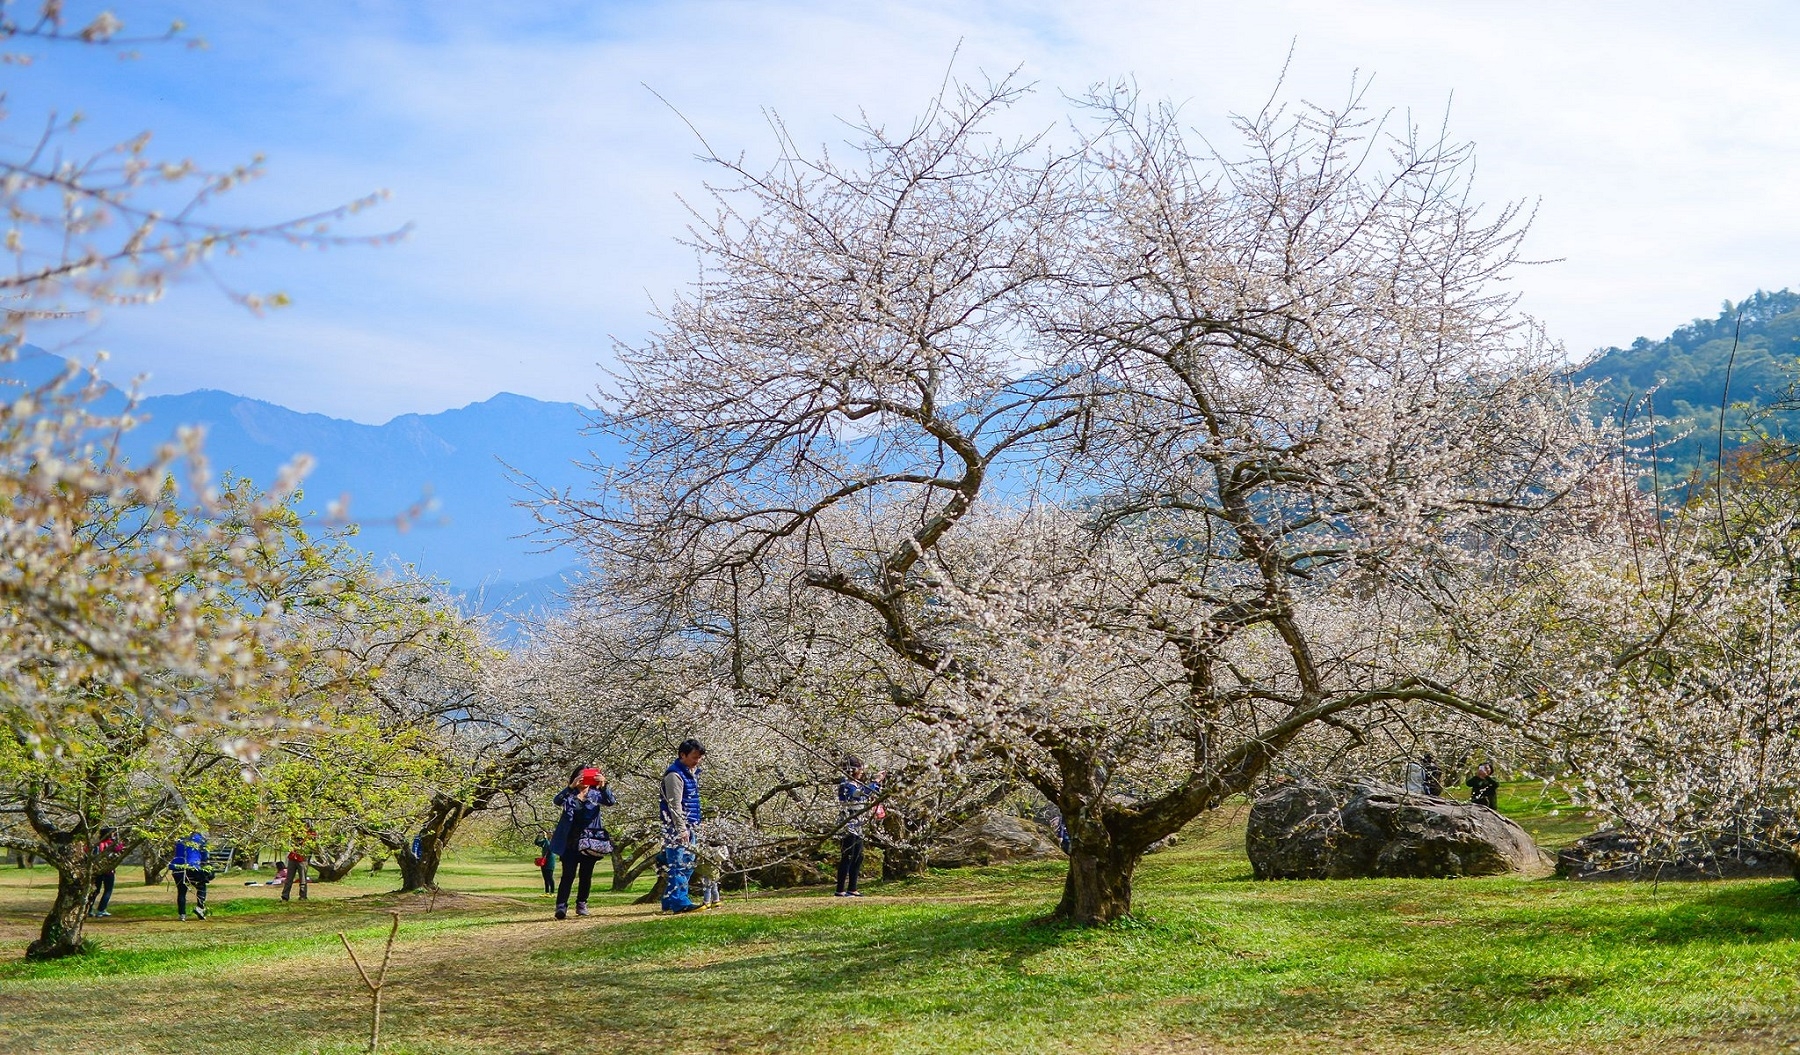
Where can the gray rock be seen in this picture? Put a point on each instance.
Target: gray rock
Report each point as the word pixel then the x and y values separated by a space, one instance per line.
pixel 995 838
pixel 1613 854
pixel 1364 829
pixel 785 874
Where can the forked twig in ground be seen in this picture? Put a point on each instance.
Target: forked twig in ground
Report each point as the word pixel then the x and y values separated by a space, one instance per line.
pixel 374 987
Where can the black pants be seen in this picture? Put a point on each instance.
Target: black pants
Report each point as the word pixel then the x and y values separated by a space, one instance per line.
pixel 549 871
pixel 183 878
pixel 849 862
pixel 572 863
pixel 102 892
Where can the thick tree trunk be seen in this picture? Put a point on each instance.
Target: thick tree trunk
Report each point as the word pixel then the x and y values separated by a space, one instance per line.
pixel 900 858
pixel 335 869
pixel 626 869
pixel 1097 888
pixel 902 862
pixel 418 870
pixel 61 934
pixel 156 862
pixel 335 863
pixel 654 896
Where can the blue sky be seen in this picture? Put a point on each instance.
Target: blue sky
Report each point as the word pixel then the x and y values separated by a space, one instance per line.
pixel 540 174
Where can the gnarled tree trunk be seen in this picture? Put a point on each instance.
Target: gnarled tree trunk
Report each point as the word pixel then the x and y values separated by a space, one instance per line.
pixel 1097 888
pixel 61 933
pixel 336 862
pixel 156 863
pixel 627 868
pixel 901 858
pixel 419 867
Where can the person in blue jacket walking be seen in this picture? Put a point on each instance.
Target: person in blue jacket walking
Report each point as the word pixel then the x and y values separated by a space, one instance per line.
pixel 580 837
pixel 188 866
pixel 681 824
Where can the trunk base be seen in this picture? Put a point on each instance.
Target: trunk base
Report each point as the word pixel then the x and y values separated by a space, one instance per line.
pixel 1097 889
pixel 61 934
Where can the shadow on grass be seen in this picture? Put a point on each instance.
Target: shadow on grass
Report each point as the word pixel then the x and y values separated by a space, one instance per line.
pixel 1233 968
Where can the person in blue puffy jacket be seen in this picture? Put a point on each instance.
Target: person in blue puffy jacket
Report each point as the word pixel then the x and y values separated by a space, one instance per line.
pixel 189 867
pixel 681 824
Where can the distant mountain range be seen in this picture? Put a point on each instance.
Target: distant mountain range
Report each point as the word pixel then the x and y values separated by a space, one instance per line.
pixel 474 537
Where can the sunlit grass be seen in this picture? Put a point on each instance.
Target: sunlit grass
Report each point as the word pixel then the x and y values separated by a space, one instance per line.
pixel 960 961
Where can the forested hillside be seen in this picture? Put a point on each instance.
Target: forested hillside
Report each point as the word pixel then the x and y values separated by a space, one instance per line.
pixel 1756 343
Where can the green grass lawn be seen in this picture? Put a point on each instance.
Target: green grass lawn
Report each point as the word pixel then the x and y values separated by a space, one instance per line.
pixel 958 961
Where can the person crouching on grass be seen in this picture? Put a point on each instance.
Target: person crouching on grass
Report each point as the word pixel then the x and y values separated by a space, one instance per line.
pixel 580 838
pixel 681 824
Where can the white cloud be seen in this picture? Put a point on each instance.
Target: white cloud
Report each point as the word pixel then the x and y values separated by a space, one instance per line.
pixel 541 174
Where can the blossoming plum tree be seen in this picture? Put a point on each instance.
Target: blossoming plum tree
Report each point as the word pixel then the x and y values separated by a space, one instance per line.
pixel 1148 462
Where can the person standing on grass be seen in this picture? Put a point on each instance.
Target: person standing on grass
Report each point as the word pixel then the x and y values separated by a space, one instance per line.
pixel 296 862
pixel 109 850
pixel 1484 790
pixel 188 866
pixel 853 793
pixel 547 861
pixel 681 823
pixel 580 836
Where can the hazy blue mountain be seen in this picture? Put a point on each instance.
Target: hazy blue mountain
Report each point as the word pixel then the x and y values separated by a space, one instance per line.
pixel 474 537
pixel 457 458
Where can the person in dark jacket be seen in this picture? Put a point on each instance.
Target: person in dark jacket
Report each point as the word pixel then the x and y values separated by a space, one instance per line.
pixel 580 837
pixel 188 866
pixel 1484 790
pixel 681 824
pixel 547 857
pixel 109 850
pixel 853 792
pixel 1431 775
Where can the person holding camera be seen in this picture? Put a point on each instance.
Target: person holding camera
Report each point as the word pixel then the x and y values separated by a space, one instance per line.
pixel 853 795
pixel 1484 790
pixel 580 838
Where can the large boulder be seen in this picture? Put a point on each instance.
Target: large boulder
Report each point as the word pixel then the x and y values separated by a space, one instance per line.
pixel 992 837
pixel 1365 829
pixel 1613 854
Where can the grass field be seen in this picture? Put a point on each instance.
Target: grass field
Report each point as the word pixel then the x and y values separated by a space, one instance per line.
pixel 955 962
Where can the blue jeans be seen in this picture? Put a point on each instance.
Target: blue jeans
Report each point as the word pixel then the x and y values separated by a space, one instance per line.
pixel 681 868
